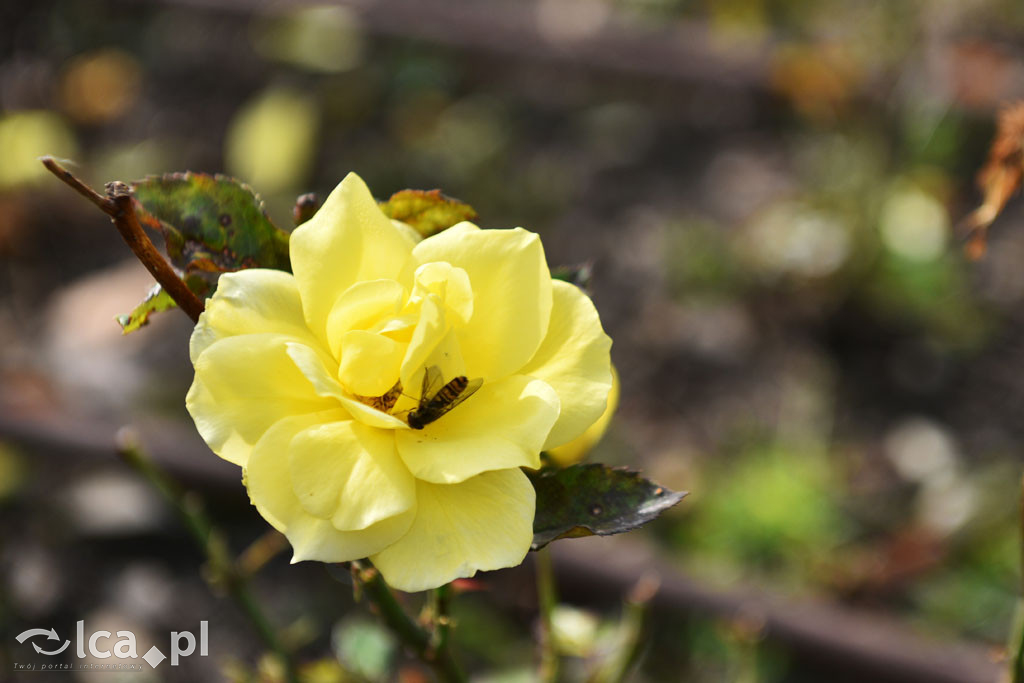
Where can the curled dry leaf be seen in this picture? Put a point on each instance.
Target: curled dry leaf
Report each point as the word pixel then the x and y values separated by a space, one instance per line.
pixel 999 178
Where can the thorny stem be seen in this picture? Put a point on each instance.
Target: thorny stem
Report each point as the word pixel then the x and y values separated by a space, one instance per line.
pixel 418 639
pixel 222 570
pixel 119 206
pixel 547 600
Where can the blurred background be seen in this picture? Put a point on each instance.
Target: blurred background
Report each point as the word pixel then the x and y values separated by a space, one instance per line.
pixel 767 192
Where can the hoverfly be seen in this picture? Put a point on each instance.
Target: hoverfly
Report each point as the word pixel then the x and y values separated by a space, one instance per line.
pixel 435 401
pixel 385 402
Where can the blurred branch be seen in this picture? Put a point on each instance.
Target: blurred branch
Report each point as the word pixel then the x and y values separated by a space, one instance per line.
pixel 262 550
pixel 634 624
pixel 679 50
pixel 1016 663
pixel 410 633
pixel 118 204
pixel 843 643
pixel 547 600
pixel 174 448
pixel 223 571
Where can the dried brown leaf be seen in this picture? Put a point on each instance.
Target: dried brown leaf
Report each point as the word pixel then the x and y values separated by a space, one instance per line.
pixel 999 178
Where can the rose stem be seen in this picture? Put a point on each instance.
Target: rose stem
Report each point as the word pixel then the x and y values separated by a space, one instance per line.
pixel 412 635
pixel 119 206
pixel 223 571
pixel 547 599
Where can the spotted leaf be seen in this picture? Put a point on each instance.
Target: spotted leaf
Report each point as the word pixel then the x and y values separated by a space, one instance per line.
pixel 584 500
pixel 427 211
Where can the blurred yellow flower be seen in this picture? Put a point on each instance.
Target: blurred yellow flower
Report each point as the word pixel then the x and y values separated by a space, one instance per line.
pixel 310 383
pixel 577 449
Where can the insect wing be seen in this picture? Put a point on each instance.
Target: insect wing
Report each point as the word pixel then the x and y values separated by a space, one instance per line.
pixel 470 389
pixel 433 381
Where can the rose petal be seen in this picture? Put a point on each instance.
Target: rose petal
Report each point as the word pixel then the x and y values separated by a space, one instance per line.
pixel 433 343
pixel 267 478
pixel 482 523
pixel 348 240
pixel 242 386
pixel 349 473
pixel 314 367
pixel 451 286
pixel 511 294
pixel 315 371
pixel 251 301
pixel 370 363
pixel 574 359
pixel 503 425
pixel 360 306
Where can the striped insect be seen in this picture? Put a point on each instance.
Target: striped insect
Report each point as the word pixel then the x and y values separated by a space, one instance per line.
pixel 436 400
pixel 385 402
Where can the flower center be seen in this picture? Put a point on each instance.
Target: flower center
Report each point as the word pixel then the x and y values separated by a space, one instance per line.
pixel 386 401
pixel 400 354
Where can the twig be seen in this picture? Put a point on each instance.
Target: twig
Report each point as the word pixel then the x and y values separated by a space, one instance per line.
pixel 118 204
pixel 412 635
pixel 104 204
pixel 547 600
pixel 261 551
pixel 223 571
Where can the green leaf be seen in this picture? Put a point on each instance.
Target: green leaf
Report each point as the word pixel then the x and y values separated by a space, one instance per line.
pixel 428 211
pixel 156 301
pixel 584 500
pixel 211 224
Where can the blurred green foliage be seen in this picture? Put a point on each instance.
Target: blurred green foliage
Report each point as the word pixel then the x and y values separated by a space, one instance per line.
pixel 13 471
pixel 271 141
pixel 770 508
pixel 365 648
pixel 23 136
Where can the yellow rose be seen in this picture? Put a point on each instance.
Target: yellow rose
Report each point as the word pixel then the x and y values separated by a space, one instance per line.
pixel 577 449
pixel 308 382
